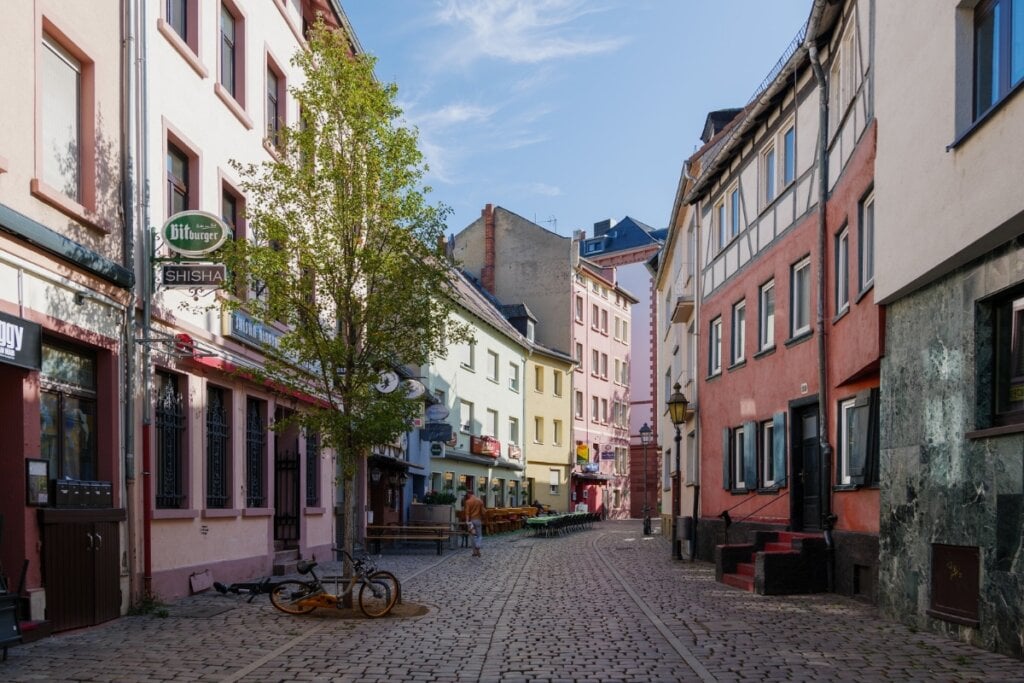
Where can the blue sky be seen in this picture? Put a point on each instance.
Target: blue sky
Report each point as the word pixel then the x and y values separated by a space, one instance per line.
pixel 568 111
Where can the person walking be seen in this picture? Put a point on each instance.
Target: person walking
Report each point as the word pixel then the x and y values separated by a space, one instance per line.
pixel 473 510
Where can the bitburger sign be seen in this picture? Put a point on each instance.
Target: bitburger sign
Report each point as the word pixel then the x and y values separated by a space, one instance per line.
pixel 194 233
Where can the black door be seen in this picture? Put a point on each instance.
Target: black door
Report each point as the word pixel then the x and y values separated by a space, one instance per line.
pixel 286 495
pixel 807 469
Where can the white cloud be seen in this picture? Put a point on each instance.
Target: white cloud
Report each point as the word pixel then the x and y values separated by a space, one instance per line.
pixel 520 31
pixel 544 189
pixel 454 114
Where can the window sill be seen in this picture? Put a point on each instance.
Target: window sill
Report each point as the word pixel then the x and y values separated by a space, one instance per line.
pixel 841 314
pixel 995 431
pixel 290 22
pixel 67 206
pixel 863 292
pixel 273 151
pixel 766 351
pixel 314 510
pixel 212 513
pixel 233 106
pixel 799 338
pixel 257 512
pixel 846 487
pixel 772 490
pixel 739 492
pixel 175 514
pixel 981 120
pixel 467 367
pixel 183 48
pixel 713 375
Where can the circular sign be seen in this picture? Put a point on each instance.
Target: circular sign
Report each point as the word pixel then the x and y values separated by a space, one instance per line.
pixel 436 412
pixel 194 233
pixel 437 449
pixel 414 388
pixel 388 382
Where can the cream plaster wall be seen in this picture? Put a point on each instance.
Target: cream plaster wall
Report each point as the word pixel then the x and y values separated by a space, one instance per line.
pixel 548 455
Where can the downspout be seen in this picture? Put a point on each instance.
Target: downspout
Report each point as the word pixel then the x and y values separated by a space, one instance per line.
pixel 128 123
pixel 827 518
pixel 147 295
pixel 695 401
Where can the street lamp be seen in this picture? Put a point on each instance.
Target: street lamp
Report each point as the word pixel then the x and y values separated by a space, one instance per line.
pixel 677 405
pixel 645 438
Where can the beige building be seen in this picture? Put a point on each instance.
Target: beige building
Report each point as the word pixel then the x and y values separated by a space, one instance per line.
pixel 949 265
pixel 548 415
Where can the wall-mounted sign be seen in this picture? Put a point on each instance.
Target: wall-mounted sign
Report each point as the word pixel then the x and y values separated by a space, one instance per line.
pixel 436 431
pixel 484 445
pixel 608 455
pixel 437 411
pixel 241 326
pixel 193 275
pixel 436 450
pixel 194 233
pixel 20 342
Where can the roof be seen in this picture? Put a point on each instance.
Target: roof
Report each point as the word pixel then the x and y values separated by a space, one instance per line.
pixel 473 299
pixel 626 235
pixel 716 121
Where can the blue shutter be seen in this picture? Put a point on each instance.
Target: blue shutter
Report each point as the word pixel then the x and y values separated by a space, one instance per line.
pixel 779 448
pixel 750 455
pixel 726 459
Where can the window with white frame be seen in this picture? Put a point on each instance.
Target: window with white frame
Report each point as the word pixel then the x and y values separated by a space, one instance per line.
pixel 618 327
pixel 739 331
pixel 766 316
pixel 554 479
pixel 768 175
pixel 513 377
pixel 595 409
pixel 557 382
pixel 866 242
pixel 734 212
pixel 466 417
pixel 579 356
pixel 538 378
pixel 538 429
pixel 492 423
pixel 721 224
pixel 625 332
pixel 579 405
pixel 595 316
pixel 604 410
pixel 595 362
pixel 715 347
pixel 556 432
pixel 788 155
pixel 604 321
pixel 767 450
pixel 579 308
pixel 738 458
pixel 617 377
pixel 513 430
pixel 467 355
pixel 800 298
pixel 61 103
pixel 858 440
pixel 492 366
pixel 842 270
pixel 604 365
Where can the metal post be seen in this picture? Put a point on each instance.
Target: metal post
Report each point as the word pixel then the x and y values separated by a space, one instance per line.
pixel 647 512
pixel 676 498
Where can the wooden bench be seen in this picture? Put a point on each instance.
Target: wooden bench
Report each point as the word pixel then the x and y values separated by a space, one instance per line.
pixel 433 534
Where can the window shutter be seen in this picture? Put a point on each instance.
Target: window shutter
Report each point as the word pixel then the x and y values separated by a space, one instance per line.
pixel 872 468
pixel 860 416
pixel 750 455
pixel 779 447
pixel 726 449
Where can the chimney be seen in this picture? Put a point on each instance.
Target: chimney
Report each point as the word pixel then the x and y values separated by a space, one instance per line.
pixel 601 227
pixel 487 273
pixel 579 235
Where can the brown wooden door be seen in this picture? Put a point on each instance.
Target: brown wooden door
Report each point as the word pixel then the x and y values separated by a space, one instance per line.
pixel 107 572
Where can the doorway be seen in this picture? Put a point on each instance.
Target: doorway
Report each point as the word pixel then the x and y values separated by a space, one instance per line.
pixel 808 484
pixel 286 488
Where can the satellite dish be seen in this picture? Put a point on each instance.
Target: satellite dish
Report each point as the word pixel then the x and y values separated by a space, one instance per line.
pixel 414 388
pixel 388 382
pixel 436 412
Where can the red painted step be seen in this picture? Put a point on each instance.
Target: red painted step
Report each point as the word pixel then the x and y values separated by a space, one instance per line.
pixel 778 547
pixel 739 581
pixel 745 568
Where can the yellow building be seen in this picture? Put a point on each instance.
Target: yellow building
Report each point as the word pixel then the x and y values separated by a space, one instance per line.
pixel 548 430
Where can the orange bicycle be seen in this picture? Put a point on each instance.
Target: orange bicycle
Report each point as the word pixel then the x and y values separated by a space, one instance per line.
pixel 378 590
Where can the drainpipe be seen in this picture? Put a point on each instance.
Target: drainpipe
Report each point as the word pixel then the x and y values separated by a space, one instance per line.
pixel 825 447
pixel 128 123
pixel 694 395
pixel 146 280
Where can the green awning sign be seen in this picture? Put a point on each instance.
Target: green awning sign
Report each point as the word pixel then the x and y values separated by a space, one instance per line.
pixel 194 233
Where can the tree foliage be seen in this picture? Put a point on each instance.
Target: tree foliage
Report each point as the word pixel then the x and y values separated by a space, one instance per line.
pixel 341 254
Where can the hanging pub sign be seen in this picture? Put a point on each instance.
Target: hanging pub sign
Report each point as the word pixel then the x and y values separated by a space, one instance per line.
pixel 20 342
pixel 194 233
pixel 193 275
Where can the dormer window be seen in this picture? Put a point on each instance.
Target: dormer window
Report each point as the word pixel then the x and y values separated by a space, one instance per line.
pixel 531 329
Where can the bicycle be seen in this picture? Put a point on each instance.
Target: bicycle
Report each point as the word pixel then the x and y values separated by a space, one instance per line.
pixel 250 588
pixel 378 590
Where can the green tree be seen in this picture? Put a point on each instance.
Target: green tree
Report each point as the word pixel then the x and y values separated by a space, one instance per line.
pixel 343 255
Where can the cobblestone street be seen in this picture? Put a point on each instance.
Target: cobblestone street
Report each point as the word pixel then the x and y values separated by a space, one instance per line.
pixel 604 604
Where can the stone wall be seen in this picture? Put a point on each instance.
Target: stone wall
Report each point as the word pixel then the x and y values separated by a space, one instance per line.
pixel 939 485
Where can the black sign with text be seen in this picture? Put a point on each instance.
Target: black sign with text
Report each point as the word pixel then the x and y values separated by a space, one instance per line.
pixel 20 342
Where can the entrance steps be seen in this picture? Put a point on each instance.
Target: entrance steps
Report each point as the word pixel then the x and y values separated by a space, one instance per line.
pixel 776 563
pixel 285 562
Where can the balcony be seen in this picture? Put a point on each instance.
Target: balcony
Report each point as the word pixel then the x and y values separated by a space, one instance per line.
pixel 683 309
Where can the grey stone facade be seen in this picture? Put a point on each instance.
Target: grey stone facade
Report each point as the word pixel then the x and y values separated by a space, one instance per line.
pixel 941 484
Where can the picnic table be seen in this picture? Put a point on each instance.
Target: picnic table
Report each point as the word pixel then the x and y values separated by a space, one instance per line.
pixel 553 525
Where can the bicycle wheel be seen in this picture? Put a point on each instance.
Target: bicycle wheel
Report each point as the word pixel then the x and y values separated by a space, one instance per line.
pixel 377 597
pixel 287 596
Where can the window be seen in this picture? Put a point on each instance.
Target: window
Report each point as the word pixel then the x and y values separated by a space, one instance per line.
pixel 554 478
pixel 858 440
pixel 604 321
pixel 842 270
pixel 62 130
pixel 767 450
pixel 557 389
pixel 604 410
pixel 67 413
pixel 734 212
pixel 492 423
pixel 998 51
pixel 768 174
pixel 538 430
pixel 531 330
pixel 170 442
pixel 723 227
pixel 465 417
pixel 492 366
pixel 789 156
pixel 800 299
pixel 177 180
pixel 617 377
pixel 618 327
pixel 468 355
pixel 275 114
pixel 177 17
pixel 513 377
pixel 866 242
pixel 595 362
pixel 579 405
pixel 766 320
pixel 180 26
pixel 228 46
pixel 595 406
pixel 625 332
pixel 604 365
pixel 738 458
pixel 255 452
pixel 513 430
pixel 556 432
pixel 715 347
pixel 1008 358
pixel 218 450
pixel 595 316
pixel 579 356
pixel 739 466
pixel 312 470
pixel 538 378
pixel 739 331
pixel 579 308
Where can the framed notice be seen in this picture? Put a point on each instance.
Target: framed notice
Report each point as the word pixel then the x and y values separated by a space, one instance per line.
pixel 37 482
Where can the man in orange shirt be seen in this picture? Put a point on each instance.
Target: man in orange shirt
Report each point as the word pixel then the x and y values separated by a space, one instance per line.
pixel 473 512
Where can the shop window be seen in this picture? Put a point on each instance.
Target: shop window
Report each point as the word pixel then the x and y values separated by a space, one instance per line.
pixel 1007 372
pixel 67 413
pixel 170 442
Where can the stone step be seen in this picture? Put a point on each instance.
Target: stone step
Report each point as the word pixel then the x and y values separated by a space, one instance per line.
pixel 745 569
pixel 285 562
pixel 778 547
pixel 739 581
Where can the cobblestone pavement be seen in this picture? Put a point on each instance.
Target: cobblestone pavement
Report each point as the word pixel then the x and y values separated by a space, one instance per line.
pixel 605 604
